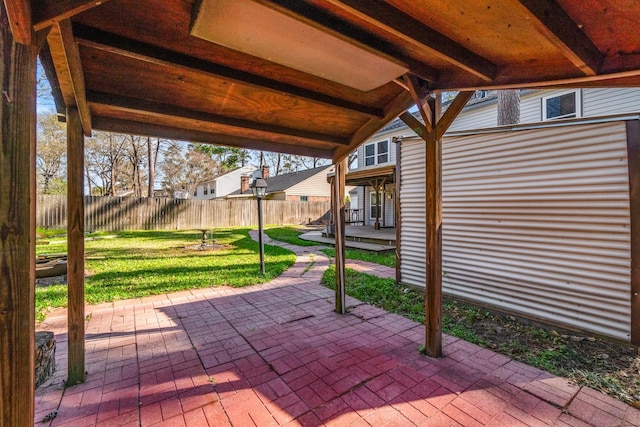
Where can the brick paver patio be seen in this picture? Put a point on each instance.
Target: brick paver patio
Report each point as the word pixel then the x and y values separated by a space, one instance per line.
pixel 276 354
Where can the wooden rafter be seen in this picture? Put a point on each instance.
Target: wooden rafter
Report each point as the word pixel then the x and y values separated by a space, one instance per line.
pixel 322 20
pixel 50 12
pixel 413 31
pixel 110 124
pixel 66 58
pixel 419 93
pixel 452 112
pixel 19 16
pixel 397 106
pixel 175 61
pixel 565 34
pixel 169 114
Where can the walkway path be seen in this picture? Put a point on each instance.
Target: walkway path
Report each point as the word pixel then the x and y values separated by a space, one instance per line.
pixel 276 354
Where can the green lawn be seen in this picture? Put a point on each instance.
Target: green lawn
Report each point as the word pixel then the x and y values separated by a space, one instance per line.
pixel 288 234
pixel 388 259
pixel 140 263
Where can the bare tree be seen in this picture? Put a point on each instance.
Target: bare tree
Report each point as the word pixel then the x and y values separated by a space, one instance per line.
pixel 184 171
pixel 508 107
pixel 105 161
pixel 51 154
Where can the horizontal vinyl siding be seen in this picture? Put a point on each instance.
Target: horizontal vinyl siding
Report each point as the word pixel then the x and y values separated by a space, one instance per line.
pixel 537 222
pixel 601 102
pixel 412 212
pixel 317 185
pixel 476 118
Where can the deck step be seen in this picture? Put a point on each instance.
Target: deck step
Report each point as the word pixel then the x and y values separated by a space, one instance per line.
pixel 316 236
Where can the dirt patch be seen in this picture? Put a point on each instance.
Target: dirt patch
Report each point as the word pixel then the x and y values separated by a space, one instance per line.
pixel 205 247
pixel 605 365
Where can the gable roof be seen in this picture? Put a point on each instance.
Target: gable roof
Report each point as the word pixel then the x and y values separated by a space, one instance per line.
pixel 283 182
pixel 241 169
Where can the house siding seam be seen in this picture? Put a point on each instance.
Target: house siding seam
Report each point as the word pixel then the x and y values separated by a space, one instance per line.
pixel 534 221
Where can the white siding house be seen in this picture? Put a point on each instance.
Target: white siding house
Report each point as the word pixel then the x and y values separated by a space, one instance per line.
pixel 536 216
pixel 224 184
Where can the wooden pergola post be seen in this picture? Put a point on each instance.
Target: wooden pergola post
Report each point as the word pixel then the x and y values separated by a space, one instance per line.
pixel 433 219
pixel 17 225
pixel 431 132
pixel 338 224
pixel 75 250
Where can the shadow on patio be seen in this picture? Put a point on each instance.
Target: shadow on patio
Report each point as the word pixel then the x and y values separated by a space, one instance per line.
pixel 276 354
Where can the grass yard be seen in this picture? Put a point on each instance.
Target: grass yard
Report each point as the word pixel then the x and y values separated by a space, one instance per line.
pixel 141 263
pixel 288 234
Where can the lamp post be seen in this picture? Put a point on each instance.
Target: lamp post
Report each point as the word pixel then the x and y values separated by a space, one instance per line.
pixel 259 189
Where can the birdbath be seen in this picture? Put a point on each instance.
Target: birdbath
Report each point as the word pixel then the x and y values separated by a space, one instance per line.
pixel 203 242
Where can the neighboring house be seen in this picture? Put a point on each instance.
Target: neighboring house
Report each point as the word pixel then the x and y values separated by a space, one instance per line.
pixel 224 184
pixel 304 186
pixel 536 216
pixel 377 156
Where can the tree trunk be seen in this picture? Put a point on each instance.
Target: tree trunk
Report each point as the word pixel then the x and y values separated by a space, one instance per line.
pixel 152 167
pixel 508 107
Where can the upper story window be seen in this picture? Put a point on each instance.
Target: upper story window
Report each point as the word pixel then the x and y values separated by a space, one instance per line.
pixel 566 105
pixel 206 189
pixel 376 153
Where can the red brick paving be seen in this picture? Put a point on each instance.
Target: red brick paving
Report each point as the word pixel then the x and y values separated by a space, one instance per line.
pixel 276 354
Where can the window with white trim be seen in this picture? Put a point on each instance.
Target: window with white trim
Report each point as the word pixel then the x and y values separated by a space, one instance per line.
pixel 373 209
pixel 206 189
pixel 304 198
pixel 376 153
pixel 566 105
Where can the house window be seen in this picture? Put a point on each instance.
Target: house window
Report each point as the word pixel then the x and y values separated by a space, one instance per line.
pixel 304 198
pixel 206 190
pixel 376 153
pixel 195 193
pixel 563 106
pixel 373 209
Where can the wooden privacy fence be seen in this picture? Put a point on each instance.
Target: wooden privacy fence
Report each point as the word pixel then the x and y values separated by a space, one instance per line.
pixel 131 213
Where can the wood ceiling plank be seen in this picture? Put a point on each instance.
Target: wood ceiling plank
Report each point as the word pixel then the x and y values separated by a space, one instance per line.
pixel 66 58
pixel 158 56
pixel 565 34
pixel 379 13
pixel 49 12
pixel 328 23
pixel 19 16
pixel 180 134
pixel 211 122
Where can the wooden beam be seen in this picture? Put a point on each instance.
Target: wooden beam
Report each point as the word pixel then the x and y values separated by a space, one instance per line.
pixel 551 19
pixel 75 250
pixel 180 134
pixel 18 13
pixel 175 61
pixel 17 226
pixel 382 14
pixel 419 93
pixel 328 23
pixel 452 112
pixel 66 58
pixel 168 114
pixel 414 124
pixel 633 162
pixel 433 244
pixel 338 223
pixel 49 12
pixel 398 218
pixel 400 104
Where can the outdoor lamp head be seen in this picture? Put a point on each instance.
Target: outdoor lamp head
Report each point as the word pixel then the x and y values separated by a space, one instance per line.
pixel 259 188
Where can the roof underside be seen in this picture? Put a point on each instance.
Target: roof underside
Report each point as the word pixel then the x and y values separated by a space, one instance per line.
pixel 134 67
